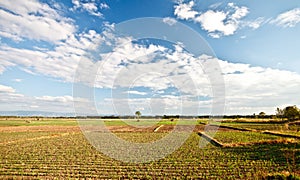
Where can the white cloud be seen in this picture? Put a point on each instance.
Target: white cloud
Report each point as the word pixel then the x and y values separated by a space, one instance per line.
pixel 104 6
pixel 184 11
pixel 217 23
pixel 257 87
pixel 18 80
pixel 255 24
pixel 12 101
pixel 136 92
pixel 62 99
pixel 169 21
pixel 126 58
pixel 220 23
pixel 248 89
pixel 6 89
pixel 10 36
pixel 33 20
pixel 239 13
pixel 59 63
pixel 90 6
pixel 213 22
pixel 288 19
pixel 246 86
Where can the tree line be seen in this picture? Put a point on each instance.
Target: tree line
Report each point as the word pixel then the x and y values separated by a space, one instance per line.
pixel 289 112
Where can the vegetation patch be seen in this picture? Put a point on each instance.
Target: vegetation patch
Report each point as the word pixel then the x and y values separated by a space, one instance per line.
pixel 49 152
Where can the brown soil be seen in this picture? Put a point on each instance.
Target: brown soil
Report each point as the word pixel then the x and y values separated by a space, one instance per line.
pixel 167 128
pixel 67 129
pixel 130 129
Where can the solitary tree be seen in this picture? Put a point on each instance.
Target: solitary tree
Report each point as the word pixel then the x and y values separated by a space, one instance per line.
pixel 261 114
pixel 138 114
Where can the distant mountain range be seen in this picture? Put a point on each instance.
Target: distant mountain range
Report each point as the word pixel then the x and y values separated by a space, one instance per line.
pixel 36 113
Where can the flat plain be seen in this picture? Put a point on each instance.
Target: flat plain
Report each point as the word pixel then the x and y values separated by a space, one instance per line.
pixel 50 148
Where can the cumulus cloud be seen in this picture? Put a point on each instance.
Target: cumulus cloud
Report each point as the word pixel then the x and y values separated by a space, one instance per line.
pixel 33 20
pixel 216 22
pixel 213 22
pixel 219 23
pixel 89 6
pixel 245 86
pixel 185 11
pixel 157 68
pixel 248 89
pixel 59 63
pixel 254 88
pixel 288 19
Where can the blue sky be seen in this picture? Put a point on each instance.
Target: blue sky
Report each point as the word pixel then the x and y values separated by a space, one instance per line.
pixel 256 46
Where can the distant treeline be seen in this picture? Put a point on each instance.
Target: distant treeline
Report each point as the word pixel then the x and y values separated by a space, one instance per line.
pixel 178 116
pixel 39 117
pixel 151 117
pixel 249 117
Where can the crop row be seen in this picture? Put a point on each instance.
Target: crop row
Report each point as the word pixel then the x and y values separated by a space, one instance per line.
pixel 6 137
pixel 71 156
pixel 243 137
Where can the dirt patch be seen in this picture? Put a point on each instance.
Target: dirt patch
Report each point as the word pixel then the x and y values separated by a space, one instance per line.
pixel 122 128
pixel 130 129
pixel 115 129
pixel 197 128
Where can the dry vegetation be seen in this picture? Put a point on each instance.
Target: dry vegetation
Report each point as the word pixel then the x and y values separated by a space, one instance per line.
pixel 56 148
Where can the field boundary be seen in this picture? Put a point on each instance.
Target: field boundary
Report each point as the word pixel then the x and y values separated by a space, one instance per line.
pixel 157 128
pixel 210 139
pixel 234 128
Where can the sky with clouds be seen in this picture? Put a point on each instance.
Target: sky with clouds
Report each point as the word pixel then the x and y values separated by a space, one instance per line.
pixel 48 48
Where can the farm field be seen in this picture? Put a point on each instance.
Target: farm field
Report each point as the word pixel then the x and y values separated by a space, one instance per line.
pixel 56 148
